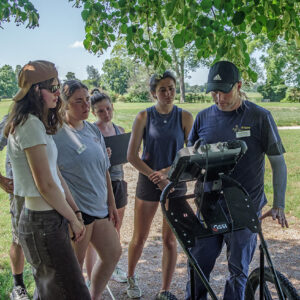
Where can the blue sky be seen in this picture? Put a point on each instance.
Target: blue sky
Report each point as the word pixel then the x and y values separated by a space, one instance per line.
pixel 58 39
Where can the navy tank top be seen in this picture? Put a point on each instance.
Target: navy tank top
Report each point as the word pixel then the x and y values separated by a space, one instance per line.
pixel 163 137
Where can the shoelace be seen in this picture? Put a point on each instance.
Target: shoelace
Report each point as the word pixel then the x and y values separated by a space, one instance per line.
pixel 21 292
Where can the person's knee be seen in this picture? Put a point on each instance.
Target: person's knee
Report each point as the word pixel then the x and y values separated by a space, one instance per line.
pixel 169 242
pixel 138 240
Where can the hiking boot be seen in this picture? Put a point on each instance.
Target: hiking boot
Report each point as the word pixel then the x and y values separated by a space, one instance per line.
pixel 119 275
pixel 133 290
pixel 165 295
pixel 19 293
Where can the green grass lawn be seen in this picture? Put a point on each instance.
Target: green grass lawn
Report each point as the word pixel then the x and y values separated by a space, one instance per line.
pixel 284 114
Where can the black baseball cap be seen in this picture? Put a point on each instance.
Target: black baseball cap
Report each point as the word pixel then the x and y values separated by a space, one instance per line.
pixel 222 77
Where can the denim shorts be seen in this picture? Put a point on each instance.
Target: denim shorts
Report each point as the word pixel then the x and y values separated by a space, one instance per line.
pixel 46 244
pixel 16 206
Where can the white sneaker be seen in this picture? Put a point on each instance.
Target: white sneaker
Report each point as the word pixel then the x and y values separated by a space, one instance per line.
pixel 19 293
pixel 119 275
pixel 133 290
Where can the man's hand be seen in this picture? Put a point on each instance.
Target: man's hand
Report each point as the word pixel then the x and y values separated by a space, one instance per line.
pixel 276 213
pixel 7 184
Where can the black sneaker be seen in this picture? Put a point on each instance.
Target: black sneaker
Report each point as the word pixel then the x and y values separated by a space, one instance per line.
pixel 165 295
pixel 19 293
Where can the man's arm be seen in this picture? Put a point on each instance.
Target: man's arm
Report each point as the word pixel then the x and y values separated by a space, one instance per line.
pixel 279 176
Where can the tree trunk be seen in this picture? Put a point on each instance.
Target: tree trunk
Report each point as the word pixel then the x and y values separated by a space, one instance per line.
pixel 181 81
pixel 179 69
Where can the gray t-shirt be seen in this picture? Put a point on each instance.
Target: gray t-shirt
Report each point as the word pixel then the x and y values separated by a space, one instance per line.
pixel 27 135
pixel 83 162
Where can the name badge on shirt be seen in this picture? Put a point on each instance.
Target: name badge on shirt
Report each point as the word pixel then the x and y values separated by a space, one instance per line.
pixel 242 133
pixel 81 148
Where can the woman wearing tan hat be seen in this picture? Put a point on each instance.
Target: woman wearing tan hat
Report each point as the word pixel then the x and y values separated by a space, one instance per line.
pixel 49 206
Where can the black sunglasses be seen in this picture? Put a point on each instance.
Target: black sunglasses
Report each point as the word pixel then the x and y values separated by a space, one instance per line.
pixel 52 89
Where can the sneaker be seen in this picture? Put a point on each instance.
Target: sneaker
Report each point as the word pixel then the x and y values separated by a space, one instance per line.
pixel 119 275
pixel 165 295
pixel 19 293
pixel 133 290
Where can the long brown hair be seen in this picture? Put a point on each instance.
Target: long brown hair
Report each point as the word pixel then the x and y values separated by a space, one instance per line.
pixel 33 103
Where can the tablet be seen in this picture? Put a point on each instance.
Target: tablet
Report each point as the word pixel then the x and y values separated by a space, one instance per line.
pixel 118 145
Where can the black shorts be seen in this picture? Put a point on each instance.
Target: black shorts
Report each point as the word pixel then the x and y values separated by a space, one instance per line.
pixel 87 219
pixel 120 193
pixel 148 191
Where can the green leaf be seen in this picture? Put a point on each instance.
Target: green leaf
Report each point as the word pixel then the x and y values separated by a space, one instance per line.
pixel 271 25
pixel 166 56
pixel 217 4
pixel 112 37
pixel 178 41
pixel 253 75
pixel 123 28
pixel 179 18
pixel 85 14
pixel 238 18
pixel 151 54
pixel 163 44
pixel 94 49
pixel 122 3
pixel 87 44
pixel 199 43
pixel 256 28
pixel 246 58
pixel 170 8
pixel 206 5
pixel 261 19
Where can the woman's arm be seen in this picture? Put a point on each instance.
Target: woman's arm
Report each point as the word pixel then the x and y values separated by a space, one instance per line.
pixel 69 196
pixel 187 124
pixel 135 144
pixel 112 210
pixel 38 162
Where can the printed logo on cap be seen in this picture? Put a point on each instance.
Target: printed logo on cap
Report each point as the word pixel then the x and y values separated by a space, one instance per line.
pixel 217 77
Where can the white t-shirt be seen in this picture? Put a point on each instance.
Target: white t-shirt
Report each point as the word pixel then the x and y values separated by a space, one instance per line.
pixel 31 133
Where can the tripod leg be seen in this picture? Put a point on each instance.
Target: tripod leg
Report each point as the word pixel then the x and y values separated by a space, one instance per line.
pixel 192 282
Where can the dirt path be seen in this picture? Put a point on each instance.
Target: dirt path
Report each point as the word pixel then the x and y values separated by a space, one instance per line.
pixel 284 245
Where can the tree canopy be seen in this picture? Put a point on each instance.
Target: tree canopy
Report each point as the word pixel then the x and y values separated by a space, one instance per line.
pixel 19 11
pixel 217 28
pixel 8 82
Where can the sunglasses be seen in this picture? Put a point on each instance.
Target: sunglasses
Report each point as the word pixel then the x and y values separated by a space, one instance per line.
pixel 52 89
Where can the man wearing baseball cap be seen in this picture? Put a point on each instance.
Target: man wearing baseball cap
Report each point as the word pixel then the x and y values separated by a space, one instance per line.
pixel 233 117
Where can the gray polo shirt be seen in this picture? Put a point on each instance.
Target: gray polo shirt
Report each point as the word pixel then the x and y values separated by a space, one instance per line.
pixel 83 162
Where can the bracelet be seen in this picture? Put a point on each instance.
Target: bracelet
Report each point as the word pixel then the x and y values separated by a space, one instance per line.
pixel 77 211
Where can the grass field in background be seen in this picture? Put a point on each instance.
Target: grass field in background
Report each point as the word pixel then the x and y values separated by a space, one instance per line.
pixel 284 114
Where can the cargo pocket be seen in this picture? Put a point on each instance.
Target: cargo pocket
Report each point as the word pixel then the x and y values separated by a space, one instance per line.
pixel 28 244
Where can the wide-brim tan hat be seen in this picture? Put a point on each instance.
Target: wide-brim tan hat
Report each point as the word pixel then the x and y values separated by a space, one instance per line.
pixel 32 73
